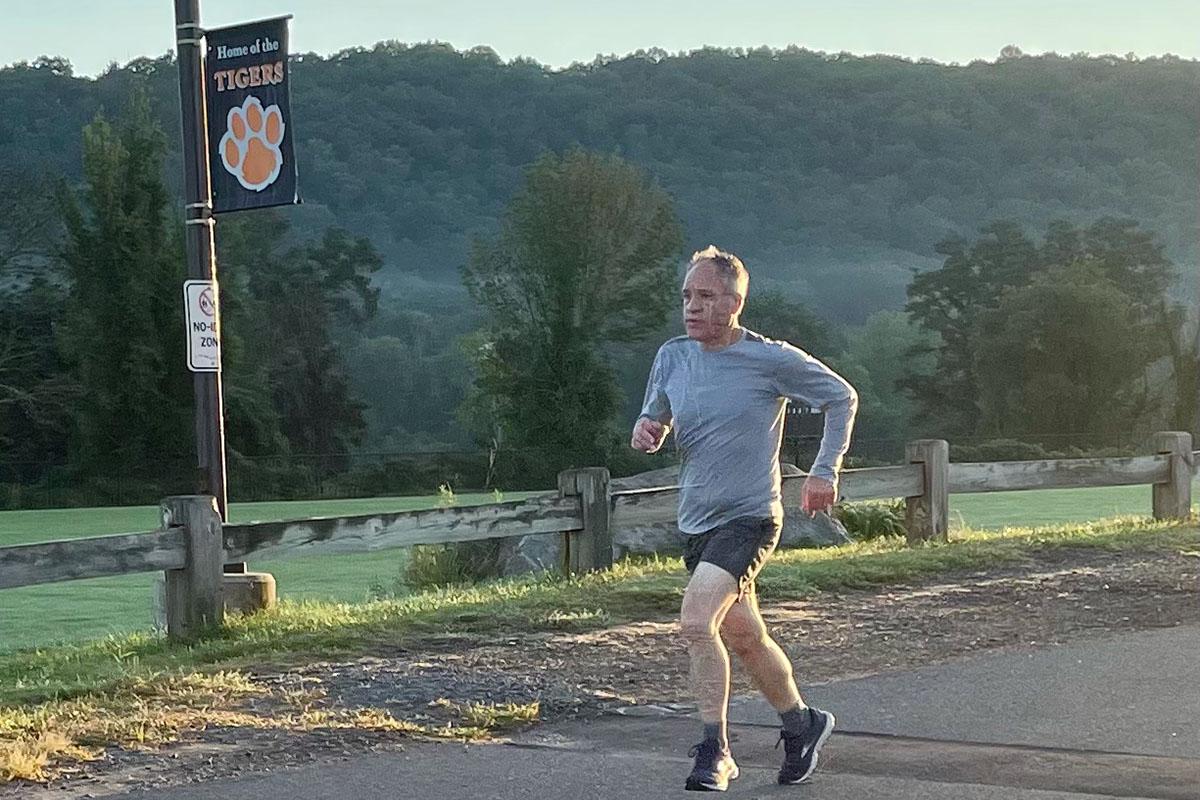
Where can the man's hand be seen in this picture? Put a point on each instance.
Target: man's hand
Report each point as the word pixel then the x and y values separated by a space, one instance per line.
pixel 648 435
pixel 817 494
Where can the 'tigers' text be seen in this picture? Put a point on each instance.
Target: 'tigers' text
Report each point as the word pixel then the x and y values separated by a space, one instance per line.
pixel 245 77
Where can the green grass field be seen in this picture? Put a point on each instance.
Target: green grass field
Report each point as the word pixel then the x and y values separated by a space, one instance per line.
pixel 40 615
pixel 34 616
pixel 992 511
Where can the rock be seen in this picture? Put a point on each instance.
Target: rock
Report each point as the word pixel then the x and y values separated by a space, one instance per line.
pixel 521 555
pixel 800 530
pixel 662 538
pixel 648 480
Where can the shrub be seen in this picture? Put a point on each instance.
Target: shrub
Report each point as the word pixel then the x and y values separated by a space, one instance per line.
pixel 453 564
pixel 871 520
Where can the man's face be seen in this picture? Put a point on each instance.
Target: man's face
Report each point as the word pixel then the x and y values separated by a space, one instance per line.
pixel 710 309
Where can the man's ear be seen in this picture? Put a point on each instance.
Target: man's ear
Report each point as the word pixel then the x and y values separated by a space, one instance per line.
pixel 739 306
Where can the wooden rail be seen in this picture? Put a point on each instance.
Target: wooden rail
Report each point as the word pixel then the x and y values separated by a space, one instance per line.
pixel 367 532
pixel 93 557
pixel 1010 476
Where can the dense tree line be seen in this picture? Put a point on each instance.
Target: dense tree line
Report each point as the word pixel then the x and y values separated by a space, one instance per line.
pixel 833 173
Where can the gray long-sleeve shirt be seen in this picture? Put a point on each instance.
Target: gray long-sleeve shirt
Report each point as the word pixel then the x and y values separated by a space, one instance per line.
pixel 727 408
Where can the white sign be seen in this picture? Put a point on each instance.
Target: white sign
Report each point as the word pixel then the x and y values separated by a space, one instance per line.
pixel 203 326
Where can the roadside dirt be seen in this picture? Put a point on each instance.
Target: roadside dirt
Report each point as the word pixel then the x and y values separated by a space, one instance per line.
pixel 1052 597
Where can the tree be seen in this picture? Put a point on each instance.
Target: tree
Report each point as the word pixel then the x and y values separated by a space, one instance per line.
pixel 32 392
pixel 828 165
pixel 953 301
pixel 29 226
pixel 297 300
pixel 1060 355
pixel 252 425
pixel 122 329
pixel 947 302
pixel 585 257
pixel 1131 258
pixel 412 375
pixel 876 357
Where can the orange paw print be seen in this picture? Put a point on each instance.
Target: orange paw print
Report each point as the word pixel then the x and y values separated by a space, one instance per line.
pixel 250 147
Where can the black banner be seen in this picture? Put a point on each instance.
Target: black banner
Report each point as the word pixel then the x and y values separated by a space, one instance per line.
pixel 251 162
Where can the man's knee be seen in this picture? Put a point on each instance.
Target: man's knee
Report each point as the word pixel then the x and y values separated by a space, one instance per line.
pixel 744 636
pixel 698 626
pixel 709 595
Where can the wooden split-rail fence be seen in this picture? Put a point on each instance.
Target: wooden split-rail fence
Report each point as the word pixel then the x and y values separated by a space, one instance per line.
pixel 192 545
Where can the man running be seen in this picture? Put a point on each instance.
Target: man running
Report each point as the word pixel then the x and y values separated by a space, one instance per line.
pixel 723 390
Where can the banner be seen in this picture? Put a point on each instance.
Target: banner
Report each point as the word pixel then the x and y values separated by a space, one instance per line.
pixel 251 162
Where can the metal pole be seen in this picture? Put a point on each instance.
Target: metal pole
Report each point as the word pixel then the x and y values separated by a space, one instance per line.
pixel 201 253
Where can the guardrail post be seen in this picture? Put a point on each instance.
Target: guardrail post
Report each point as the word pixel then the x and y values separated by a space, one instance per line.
pixel 193 594
pixel 591 548
pixel 927 516
pixel 1173 499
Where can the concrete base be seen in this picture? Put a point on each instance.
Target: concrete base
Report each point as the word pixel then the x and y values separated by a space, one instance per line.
pixel 242 592
pixel 247 592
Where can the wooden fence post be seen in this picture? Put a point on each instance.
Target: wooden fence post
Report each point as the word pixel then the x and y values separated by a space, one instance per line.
pixel 193 594
pixel 591 548
pixel 1173 499
pixel 927 516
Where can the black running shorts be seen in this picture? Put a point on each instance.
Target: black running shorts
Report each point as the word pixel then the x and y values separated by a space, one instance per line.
pixel 740 547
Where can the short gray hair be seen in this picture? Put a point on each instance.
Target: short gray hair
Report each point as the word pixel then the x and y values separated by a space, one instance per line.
pixel 728 266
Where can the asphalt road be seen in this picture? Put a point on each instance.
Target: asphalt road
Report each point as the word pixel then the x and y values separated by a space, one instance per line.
pixel 1110 717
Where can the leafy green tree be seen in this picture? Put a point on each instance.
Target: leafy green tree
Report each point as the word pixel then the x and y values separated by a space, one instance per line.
pixel 947 302
pixel 411 375
pixel 35 394
pixel 831 172
pixel 586 255
pixel 1061 354
pixel 1131 258
pixel 876 358
pixel 252 423
pixel 952 302
pixel 122 329
pixel 289 307
pixel 32 391
pixel 29 226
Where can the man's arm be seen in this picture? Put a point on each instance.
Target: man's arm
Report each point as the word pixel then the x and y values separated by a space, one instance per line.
pixel 802 378
pixel 654 424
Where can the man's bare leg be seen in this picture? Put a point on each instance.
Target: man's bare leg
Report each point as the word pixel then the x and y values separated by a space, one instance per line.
pixel 804 729
pixel 710 594
pixel 746 634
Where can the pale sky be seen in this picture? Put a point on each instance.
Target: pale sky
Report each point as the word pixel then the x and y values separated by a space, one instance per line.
pixel 557 32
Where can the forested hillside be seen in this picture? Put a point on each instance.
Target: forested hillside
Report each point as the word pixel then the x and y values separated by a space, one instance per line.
pixel 832 174
pixel 1000 253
